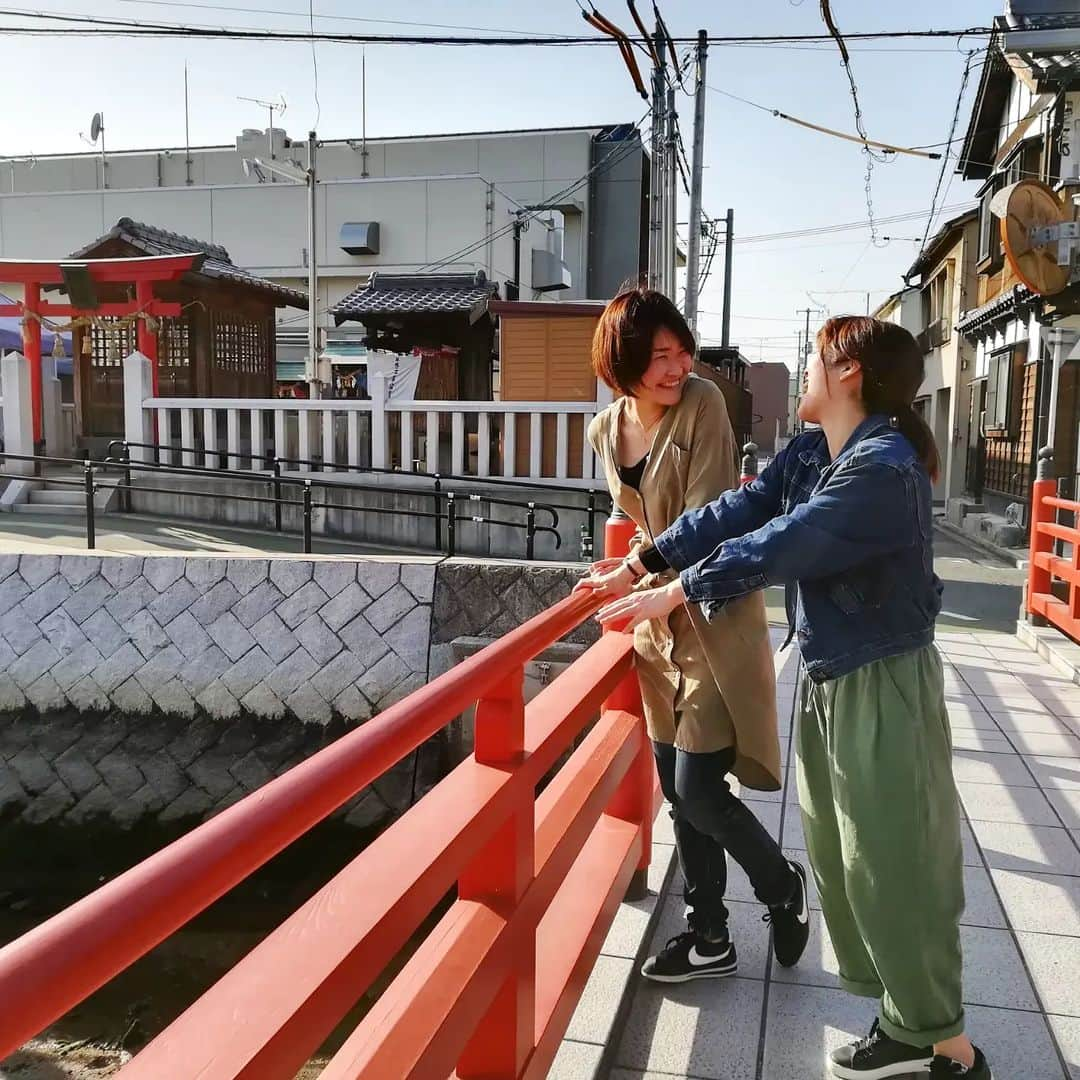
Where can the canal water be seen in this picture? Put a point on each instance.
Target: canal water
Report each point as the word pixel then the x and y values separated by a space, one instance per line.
pixel 92 1041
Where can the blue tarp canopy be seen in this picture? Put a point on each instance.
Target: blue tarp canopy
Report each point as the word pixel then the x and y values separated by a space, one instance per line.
pixel 11 339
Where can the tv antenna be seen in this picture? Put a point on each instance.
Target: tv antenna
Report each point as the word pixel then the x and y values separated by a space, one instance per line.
pixel 1038 234
pixel 97 132
pixel 271 107
pixel 29 162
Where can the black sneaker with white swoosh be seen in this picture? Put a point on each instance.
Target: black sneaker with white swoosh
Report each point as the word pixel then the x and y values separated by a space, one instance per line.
pixel 690 956
pixel 791 922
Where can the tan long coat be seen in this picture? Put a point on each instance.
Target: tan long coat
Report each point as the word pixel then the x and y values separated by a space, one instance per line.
pixel 706 686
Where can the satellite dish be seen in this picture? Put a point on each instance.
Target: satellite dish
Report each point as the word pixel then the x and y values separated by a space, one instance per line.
pixel 96 127
pixel 1031 215
pixel 246 166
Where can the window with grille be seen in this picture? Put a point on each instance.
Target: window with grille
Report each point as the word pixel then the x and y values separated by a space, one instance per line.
pixel 241 344
pixel 110 341
pixel 175 343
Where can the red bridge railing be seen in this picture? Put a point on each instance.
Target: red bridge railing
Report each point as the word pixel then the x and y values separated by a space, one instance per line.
pixel 491 989
pixel 1046 567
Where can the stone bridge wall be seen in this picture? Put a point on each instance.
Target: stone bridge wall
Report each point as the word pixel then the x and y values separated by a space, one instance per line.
pixel 140 695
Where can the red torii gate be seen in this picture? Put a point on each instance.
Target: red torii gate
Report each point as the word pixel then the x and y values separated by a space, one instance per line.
pixel 82 276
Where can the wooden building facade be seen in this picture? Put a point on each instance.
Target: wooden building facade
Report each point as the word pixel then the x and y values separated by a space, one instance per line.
pixel 221 345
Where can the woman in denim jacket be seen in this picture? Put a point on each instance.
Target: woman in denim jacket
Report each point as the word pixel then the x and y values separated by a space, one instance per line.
pixel 842 518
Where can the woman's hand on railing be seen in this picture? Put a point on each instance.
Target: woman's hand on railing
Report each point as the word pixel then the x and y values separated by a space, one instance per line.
pixel 630 611
pixel 608 579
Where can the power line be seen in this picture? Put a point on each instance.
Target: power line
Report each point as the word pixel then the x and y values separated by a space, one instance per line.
pixel 325 18
pixel 845 60
pixel 888 148
pixel 623 149
pixel 828 230
pixel 97 26
pixel 945 159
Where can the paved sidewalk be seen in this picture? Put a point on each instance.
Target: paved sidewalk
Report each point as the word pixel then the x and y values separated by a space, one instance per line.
pixel 137 534
pixel 1016 724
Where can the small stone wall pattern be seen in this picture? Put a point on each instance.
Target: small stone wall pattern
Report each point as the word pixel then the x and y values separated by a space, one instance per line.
pixel 311 640
pixel 475 599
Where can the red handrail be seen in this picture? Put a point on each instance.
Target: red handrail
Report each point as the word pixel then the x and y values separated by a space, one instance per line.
pixel 1045 567
pixel 494 999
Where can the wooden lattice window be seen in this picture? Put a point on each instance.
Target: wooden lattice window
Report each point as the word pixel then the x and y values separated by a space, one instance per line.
pixel 241 345
pixel 175 343
pixel 110 341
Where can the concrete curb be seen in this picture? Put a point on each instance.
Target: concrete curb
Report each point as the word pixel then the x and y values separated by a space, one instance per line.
pixel 1006 555
pixel 1061 653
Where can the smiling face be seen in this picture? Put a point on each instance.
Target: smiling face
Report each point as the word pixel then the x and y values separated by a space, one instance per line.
pixel 669 367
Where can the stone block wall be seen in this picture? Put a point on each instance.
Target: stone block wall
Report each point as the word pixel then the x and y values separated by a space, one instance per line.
pixel 311 640
pixel 141 695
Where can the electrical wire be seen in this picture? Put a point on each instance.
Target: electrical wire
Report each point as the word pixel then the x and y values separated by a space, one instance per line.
pixel 324 18
pixel 944 161
pixel 888 148
pixel 622 149
pixel 871 157
pixel 97 26
pixel 848 226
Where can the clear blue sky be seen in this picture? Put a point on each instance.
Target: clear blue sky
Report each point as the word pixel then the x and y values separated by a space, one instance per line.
pixel 776 176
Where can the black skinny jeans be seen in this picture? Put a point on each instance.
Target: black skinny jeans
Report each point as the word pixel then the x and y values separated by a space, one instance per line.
pixel 710 821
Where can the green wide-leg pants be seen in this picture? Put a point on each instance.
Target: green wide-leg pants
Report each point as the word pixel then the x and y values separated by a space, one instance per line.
pixel 882 827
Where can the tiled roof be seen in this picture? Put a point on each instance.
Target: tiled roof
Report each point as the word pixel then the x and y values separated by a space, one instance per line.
pixel 1012 301
pixel 150 240
pixel 419 294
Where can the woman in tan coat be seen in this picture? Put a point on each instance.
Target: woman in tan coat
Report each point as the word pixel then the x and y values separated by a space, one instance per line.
pixel 709 688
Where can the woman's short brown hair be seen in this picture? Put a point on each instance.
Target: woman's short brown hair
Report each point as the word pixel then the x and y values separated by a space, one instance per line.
pixel 623 341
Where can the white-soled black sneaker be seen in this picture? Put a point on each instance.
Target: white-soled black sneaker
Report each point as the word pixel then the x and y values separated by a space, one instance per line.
pixel 791 922
pixel 878 1057
pixel 944 1067
pixel 690 956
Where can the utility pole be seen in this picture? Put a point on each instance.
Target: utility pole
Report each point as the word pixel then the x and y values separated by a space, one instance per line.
pixel 800 363
pixel 671 192
pixel 729 252
pixel 693 250
pixel 312 373
pixel 656 174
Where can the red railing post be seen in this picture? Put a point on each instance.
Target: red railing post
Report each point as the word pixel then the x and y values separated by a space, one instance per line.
pixel 498 877
pixel 1039 577
pixel 633 800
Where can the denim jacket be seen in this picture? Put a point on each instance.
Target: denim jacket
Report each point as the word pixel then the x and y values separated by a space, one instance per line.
pixel 850 539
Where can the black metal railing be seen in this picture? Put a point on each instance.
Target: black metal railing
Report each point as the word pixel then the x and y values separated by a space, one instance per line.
pixel 445 514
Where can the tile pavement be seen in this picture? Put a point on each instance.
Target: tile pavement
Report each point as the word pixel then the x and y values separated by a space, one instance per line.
pixel 1016 725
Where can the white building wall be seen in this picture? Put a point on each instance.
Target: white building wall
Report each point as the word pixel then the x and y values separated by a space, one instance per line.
pixel 264 227
pixel 428 195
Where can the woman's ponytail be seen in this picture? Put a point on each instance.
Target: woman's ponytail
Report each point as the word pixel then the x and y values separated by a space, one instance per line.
pixel 917 432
